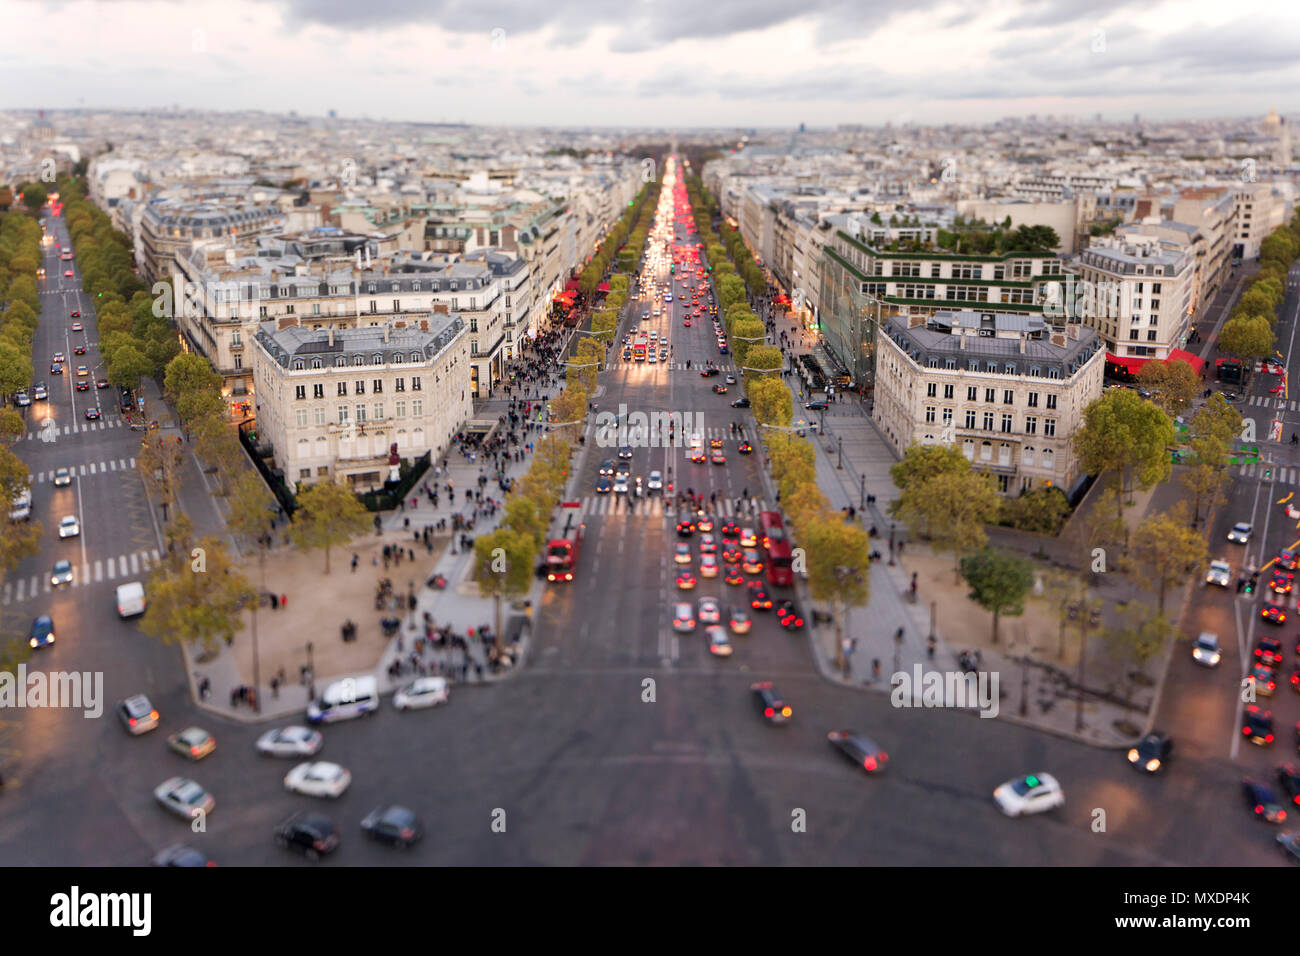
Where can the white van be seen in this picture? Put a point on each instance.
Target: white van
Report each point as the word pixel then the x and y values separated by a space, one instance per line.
pixel 21 507
pixel 130 599
pixel 343 699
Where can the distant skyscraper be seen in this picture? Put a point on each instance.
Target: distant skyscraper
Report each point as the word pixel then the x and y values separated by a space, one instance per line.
pixel 801 127
pixel 334 114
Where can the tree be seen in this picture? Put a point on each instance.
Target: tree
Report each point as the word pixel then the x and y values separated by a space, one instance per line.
pixel 771 400
pixel 838 562
pixel 328 515
pixel 1041 510
pixel 1207 473
pixel 216 444
pixel 1137 641
pixel 1173 385
pixel 15 369
pixel 159 464
pixel 503 567
pixel 1127 435
pixel 1248 338
pixel 34 196
pixel 1218 420
pixel 1165 550
pixel 188 374
pixel 250 507
pixel 201 599
pixel 953 508
pixel 768 359
pixel 922 462
pixel 999 582
pixel 127 366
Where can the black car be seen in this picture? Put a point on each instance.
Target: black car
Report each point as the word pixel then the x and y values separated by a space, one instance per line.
pixel 625 451
pixel 1262 800
pixel 312 834
pixel 816 406
pixel 1151 753
pixel 1268 650
pixel 181 855
pixel 788 614
pixel 1287 560
pixel 607 468
pixel 769 703
pixel 861 750
pixel 1257 725
pixel 708 372
pixel 604 485
pixel 1288 778
pixel 394 825
pixel 685 528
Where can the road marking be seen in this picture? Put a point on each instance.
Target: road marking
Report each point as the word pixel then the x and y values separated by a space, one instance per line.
pixel 99 571
pixel 135 564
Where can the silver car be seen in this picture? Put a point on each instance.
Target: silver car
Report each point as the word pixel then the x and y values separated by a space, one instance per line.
pixel 1205 650
pixel 1240 533
pixel 1220 573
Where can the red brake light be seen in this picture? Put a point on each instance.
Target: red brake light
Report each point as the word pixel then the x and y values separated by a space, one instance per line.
pixel 132 720
pixel 869 763
pixel 1281 814
pixel 194 750
pixel 1259 808
pixel 407 834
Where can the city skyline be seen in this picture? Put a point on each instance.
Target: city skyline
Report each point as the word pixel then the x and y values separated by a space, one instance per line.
pixel 581 64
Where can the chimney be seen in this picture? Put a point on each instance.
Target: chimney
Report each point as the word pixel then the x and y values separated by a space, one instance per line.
pixel 440 308
pixel 424 325
pixel 1022 343
pixel 331 336
pixel 961 338
pixel 287 321
pixel 388 328
pixel 275 276
pixel 1058 339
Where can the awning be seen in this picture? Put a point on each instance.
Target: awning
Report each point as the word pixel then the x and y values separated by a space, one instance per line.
pixel 603 287
pixel 1195 361
pixel 571 284
pixel 564 297
pixel 1130 363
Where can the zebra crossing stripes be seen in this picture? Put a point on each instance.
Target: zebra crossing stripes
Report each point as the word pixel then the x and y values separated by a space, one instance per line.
pixel 653 507
pixel 74 429
pixel 96 572
pixel 1272 402
pixel 1279 474
pixel 91 468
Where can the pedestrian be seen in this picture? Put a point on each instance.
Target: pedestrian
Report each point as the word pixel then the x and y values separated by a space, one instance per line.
pixel 900 547
pixel 354 564
pixel 275 687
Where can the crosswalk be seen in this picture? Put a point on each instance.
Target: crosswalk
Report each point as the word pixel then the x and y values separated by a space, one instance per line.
pixel 76 429
pixel 1280 474
pixel 682 435
pixel 1270 401
pixel 671 366
pixel 124 566
pixel 91 468
pixel 653 507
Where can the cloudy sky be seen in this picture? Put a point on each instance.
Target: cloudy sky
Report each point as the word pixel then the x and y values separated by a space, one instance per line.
pixel 676 63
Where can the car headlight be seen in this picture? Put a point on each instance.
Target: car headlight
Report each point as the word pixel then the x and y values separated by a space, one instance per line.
pixel 1133 755
pixel 1153 765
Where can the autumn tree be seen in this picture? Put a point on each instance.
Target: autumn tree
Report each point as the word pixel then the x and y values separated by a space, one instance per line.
pixel 952 508
pixel 328 515
pixel 200 599
pixel 1165 550
pixel 1125 435
pixel 1173 385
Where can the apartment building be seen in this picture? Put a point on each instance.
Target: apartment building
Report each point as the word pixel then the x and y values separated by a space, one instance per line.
pixel 1140 297
pixel 332 403
pixel 861 285
pixel 1062 215
pixel 167 228
pixel 1261 208
pixel 1008 389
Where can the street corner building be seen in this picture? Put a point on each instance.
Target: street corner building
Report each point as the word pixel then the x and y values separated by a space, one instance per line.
pixel 1007 389
pixel 331 402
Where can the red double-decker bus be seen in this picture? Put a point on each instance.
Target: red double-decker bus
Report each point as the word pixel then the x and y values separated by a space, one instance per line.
pixel 780 553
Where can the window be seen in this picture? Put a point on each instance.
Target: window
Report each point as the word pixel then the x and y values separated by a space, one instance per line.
pixel 972 393
pixel 970 419
pixel 379 410
pixel 374 307
pixel 415 357
pixel 968 449
pixel 361 413
pixel 300 417
pixel 397 305
pixel 986 451
pixel 300 393
pixel 1049 458
pixel 931 390
pixel 318 415
pixel 947 392
pixel 1031 425
pixel 990 394
pixel 1008 396
pixel 304 473
pixel 397 358
pixel 318 391
pixel 399 409
pixel 399 385
pixel 377 386
pixel 358 360
pixel 1004 483
pixel 1151 337
pixel 988 421
pixel 261 311
pixel 1051 401
pixel 1033 399
pixel 1053 373
pixel 947 416
pixel 1006 424
pixel 1049 427
pixel 1004 455
pixel 417 409
pixel 930 414
pixel 415 383
pixel 297 366
pixel 342 388
pixel 343 414
pixel 1155 288
pixel 340 362
pixel 360 388
pixel 1027 455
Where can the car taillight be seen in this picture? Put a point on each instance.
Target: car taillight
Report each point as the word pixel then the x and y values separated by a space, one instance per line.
pixel 407 834
pixel 318 844
pixel 1259 808
pixel 769 712
pixel 869 763
pixel 153 715
pixel 1268 738
pixel 786 711
pixel 131 720
pixel 1281 814
pixel 194 751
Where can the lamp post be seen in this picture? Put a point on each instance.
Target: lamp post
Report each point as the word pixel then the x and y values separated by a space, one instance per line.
pixel 841 452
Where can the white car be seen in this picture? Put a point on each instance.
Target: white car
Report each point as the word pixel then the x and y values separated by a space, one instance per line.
pixel 319 779
pixel 425 692
pixel 69 527
pixel 1034 793
pixel 719 643
pixel 62 476
pixel 1240 533
pixel 1220 573
pixel 709 612
pixel 1205 650
pixel 183 797
pixel 683 617
pixel 655 482
pixel 620 484
pixel 293 741
pixel 682 553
